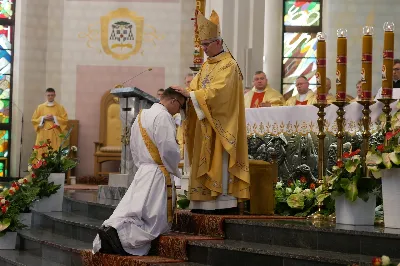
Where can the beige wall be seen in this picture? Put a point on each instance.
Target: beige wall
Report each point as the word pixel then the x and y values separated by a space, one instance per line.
pixel 54 39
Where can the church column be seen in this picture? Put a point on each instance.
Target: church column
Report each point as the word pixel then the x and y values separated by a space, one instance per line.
pixel 273 42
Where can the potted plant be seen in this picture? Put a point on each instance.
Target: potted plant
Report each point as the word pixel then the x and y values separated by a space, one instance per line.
pixel 354 192
pixel 12 201
pixel 49 167
pixel 384 162
pixel 298 198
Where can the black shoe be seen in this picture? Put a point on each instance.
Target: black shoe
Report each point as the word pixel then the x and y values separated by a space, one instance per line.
pixel 199 211
pixel 110 236
pixel 105 246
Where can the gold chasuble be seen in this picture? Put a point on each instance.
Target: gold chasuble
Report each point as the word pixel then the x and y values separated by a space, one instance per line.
pixel 252 98
pixel 155 155
pixel 46 129
pixel 218 91
pixel 310 99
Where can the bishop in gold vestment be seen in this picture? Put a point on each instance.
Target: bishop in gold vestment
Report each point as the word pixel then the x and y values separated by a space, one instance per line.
pixel 215 127
pixel 50 120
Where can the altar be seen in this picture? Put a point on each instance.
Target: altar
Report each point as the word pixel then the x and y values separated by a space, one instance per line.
pixel 290 134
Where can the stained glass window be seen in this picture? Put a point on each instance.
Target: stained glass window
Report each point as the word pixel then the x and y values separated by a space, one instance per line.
pixel 7 21
pixel 6 9
pixel 302 21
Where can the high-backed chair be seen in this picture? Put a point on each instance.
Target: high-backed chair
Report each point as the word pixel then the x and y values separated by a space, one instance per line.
pixel 109 146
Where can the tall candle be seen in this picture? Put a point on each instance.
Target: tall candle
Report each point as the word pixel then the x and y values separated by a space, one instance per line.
pixel 321 68
pixel 366 66
pixel 341 65
pixel 387 67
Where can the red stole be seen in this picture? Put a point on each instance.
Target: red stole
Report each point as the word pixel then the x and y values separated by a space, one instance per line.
pixel 301 103
pixel 257 99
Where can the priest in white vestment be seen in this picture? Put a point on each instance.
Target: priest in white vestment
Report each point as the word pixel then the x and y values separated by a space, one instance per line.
pixel 145 212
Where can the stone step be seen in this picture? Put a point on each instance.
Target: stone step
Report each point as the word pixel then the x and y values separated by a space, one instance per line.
pixel 232 253
pixel 23 258
pixel 52 247
pixel 67 224
pixel 366 240
pixel 101 211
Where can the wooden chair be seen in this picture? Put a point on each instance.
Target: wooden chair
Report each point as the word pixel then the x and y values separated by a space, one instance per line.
pixel 109 146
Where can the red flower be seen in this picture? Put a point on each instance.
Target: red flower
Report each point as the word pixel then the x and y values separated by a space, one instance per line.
pixel 381 148
pixel 33 175
pixel 376 261
pixel 25 181
pixel 391 134
pixel 351 154
pixel 312 186
pixel 339 164
pixel 303 179
pixel 4 209
pixel 290 183
pixel 36 147
pixel 11 192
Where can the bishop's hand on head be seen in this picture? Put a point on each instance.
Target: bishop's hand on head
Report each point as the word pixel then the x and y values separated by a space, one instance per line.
pixel 181 90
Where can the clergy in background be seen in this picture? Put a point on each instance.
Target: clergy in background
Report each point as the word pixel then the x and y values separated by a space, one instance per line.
pixel 262 95
pixel 50 120
pixel 215 128
pixel 146 210
pixel 305 96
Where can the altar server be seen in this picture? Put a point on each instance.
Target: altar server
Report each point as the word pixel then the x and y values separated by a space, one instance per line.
pixel 146 210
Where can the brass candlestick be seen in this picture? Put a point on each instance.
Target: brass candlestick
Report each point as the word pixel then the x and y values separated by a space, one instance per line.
pixel 387 111
pixel 340 127
pixel 366 119
pixel 321 156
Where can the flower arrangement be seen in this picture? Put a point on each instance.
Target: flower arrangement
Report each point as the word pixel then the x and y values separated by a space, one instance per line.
pixel 45 160
pixel 297 198
pixel 383 261
pixel 348 179
pixel 387 154
pixel 13 201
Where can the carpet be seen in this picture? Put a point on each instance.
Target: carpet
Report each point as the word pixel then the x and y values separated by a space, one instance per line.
pixel 90 259
pixel 212 225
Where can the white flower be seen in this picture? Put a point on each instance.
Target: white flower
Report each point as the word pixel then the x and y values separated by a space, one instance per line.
pixel 12 189
pixel 288 190
pixel 20 181
pixel 356 157
pixel 3 201
pixel 308 193
pixel 74 148
pixel 297 190
pixel 279 185
pixel 385 260
pixel 29 167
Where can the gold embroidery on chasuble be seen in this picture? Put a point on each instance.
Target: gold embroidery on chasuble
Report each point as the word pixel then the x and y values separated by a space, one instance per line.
pixel 219 93
pixel 155 155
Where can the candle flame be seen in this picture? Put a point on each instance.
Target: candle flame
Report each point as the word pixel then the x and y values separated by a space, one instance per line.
pixel 341 33
pixel 388 26
pixel 368 30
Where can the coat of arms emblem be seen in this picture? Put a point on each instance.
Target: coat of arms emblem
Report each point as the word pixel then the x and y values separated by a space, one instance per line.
pixel 121 33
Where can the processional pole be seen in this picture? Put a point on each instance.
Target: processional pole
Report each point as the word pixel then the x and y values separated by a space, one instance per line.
pixel 198 53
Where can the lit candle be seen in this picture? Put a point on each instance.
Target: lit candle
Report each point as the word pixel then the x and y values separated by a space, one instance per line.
pixel 366 68
pixel 321 68
pixel 387 67
pixel 341 65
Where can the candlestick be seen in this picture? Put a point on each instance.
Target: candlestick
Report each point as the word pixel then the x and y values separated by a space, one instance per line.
pixel 366 119
pixel 341 65
pixel 321 68
pixel 321 156
pixel 366 70
pixel 387 67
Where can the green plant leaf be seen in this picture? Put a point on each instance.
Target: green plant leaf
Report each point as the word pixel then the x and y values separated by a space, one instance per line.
pixel 394 157
pixel 4 224
pixel 373 158
pixel 296 201
pixel 352 191
pixel 351 165
pixel 344 183
pixel 386 160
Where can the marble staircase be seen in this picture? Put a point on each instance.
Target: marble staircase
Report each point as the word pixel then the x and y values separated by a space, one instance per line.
pixel 57 239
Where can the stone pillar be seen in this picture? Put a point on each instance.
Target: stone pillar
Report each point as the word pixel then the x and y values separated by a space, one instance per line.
pixel 273 43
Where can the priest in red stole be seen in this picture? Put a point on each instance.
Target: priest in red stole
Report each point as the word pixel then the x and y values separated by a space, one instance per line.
pixel 305 96
pixel 262 95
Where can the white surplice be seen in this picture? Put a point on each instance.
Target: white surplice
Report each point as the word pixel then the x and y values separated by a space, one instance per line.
pixel 141 216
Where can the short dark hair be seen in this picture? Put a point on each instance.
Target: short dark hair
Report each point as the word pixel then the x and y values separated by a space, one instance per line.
pixel 396 61
pixel 50 90
pixel 170 93
pixel 302 77
pixel 161 90
pixel 259 72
